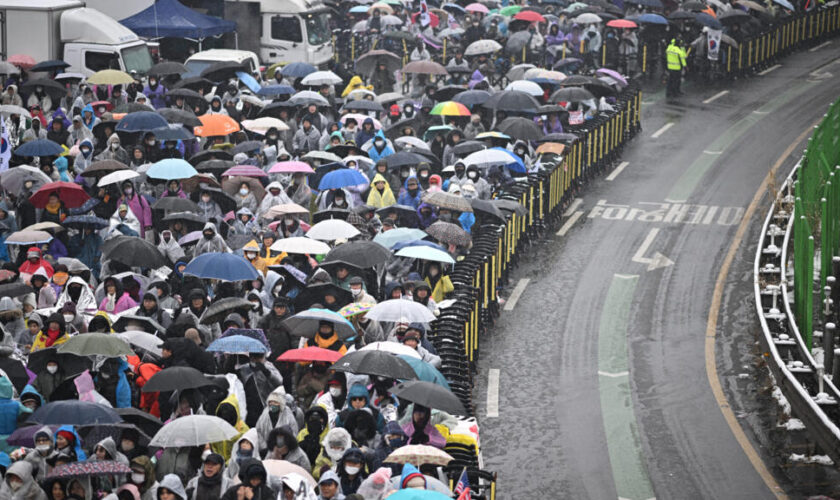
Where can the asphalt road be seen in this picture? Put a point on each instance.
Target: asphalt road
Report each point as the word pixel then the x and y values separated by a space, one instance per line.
pixel 602 386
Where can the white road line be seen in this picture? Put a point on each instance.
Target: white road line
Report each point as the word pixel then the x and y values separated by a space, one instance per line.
pixel 621 166
pixel 818 47
pixel 569 223
pixel 517 292
pixel 716 96
pixel 572 207
pixel 770 69
pixel 493 393
pixel 713 153
pixel 613 375
pixel 669 200
pixel 662 130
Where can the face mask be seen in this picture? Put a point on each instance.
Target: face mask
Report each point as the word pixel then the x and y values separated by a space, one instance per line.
pixel 352 469
pixel 150 142
pixel 114 146
pixel 520 151
pixel 153 82
pixel 243 455
pixel 272 138
pixel 473 175
pixel 335 391
pixel 396 442
pixel 356 291
pixel 243 191
pixel 289 222
pixel 85 150
pixel 68 318
pixel 128 191
pixel 138 478
pixel 273 409
pixel 43 448
pixel 52 368
pixel 379 144
pixel 250 255
pixel 15 485
pixel 208 236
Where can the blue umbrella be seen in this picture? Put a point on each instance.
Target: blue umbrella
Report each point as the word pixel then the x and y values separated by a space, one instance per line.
pixel 416 243
pixel 425 371
pixel 413 494
pixel 249 81
pixel 254 333
pixel 170 169
pixel 174 132
pixel 399 235
pixel 341 178
pixel 221 266
pixel 141 121
pixel 785 4
pixel 74 412
pixel 237 344
pixel 39 147
pixel 83 221
pixel 707 20
pixel 515 164
pixel 650 18
pixel 275 90
pixel 298 69
pixel 305 323
pixel 359 9
pixel 425 253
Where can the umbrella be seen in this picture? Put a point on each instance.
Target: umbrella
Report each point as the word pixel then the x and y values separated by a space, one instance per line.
pixel 44 226
pixel 298 70
pixel 85 222
pixel 53 88
pixel 24 435
pixel 117 177
pixel 588 18
pixel 193 430
pixel 447 201
pixel 290 167
pixel 171 169
pixel 310 354
pixel 650 18
pixel 39 147
pixel 413 494
pixel 145 422
pixel 7 68
pixel 450 108
pixel 521 128
pixel 418 454
pixel 342 177
pixel 424 68
pixel 426 253
pixel 281 468
pixel 406 216
pixel 275 90
pixel 218 310
pixel 512 100
pixel 429 395
pixel 89 468
pixel 70 363
pixel 307 97
pixel 168 68
pixel 131 107
pixel 74 412
pixel 363 105
pixel 285 209
pixel 15 371
pixel 530 16
pixel 709 21
pixel 103 167
pixel 378 363
pixel 305 323
pixel 399 310
pixel 526 86
pixel 222 70
pixel 571 94
pixel 734 17
pixel 332 229
pixel 362 254
pixel 193 83
pixel 179 116
pixel 426 371
pixel 449 233
pixel 99 344
pixel 172 132
pixel 143 340
pixel 11 109
pixel 482 47
pixel 247 147
pixel 237 344
pixel 407 142
pixel 370 60
pixel 318 78
pixel 612 74
pixel 477 7
pixel 72 195
pixel 622 24
pixel 403 159
pixel 263 124
pixel 355 309
pixel 15 289
pixel 216 125
pixel 244 171
pixel 393 348
pixel 221 266
pixel 300 245
pixel 28 237
pixel 398 235
pixel 14 178
pixel 472 97
pixel 225 201
pixel 133 252
pixel 175 204
pixel 141 121
pixel 110 77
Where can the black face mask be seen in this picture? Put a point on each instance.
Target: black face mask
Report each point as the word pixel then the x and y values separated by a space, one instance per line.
pixel 208 236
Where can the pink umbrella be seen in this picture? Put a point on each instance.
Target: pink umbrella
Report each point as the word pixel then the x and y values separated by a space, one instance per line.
pixel 22 61
pixel 360 118
pixel 612 74
pixel 244 171
pixel 290 167
pixel 477 7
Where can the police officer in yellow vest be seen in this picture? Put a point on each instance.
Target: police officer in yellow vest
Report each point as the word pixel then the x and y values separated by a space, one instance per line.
pixel 676 56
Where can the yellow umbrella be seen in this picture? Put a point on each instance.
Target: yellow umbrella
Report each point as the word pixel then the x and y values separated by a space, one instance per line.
pixel 110 77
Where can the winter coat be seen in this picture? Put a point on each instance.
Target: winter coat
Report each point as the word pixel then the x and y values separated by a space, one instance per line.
pixel 140 208
pixel 198 489
pixel 29 490
pixel 378 154
pixel 406 198
pixel 214 244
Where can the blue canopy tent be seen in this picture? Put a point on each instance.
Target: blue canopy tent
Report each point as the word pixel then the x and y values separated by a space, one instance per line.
pixel 170 18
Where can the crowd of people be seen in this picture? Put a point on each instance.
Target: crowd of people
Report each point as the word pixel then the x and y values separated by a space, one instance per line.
pixel 129 209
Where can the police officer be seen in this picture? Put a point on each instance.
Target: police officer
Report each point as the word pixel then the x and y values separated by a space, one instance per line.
pixel 675 57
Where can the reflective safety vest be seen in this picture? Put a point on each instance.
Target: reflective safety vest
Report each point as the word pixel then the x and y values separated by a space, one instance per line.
pixel 675 56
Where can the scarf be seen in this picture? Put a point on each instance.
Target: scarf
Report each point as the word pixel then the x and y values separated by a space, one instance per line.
pixel 52 336
pixel 209 487
pixel 53 208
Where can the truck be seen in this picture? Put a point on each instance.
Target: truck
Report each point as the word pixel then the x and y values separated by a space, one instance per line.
pixel 83 37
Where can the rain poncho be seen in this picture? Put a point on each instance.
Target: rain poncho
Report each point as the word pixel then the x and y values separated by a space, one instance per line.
pixel 173 483
pixel 85 301
pixel 83 160
pixel 10 409
pixel 171 249
pixel 408 198
pixel 230 405
pixel 377 153
pixel 269 421
pixel 382 199
pixel 272 200
pixel 140 208
pixel 215 244
pixel 336 442
pixel 29 490
pixel 128 225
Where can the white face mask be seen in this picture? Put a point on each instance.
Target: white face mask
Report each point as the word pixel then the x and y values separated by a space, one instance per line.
pixel 472 175
pixel 243 191
pixel 15 485
pixel 250 255
pixel 43 448
pixel 114 146
pixel 52 368
pixel 356 291
pixel 68 318
pixel 352 469
pixel 335 391
pixel 138 478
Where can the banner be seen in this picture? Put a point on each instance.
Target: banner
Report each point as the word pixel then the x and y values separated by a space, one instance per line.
pixel 5 146
pixel 713 41
pixel 425 18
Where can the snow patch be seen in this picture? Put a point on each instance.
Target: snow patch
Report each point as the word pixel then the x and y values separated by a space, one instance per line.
pixel 781 399
pixel 811 459
pixel 793 424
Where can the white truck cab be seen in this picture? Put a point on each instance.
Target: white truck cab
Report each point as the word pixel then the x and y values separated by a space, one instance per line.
pixel 295 31
pixel 94 41
pixel 199 61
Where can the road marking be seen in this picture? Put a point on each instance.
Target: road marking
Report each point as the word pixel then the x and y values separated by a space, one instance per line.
pixel 662 130
pixel 713 153
pixel 517 292
pixel 658 260
pixel 669 213
pixel 493 393
pixel 572 207
pixel 625 450
pixel 711 326
pixel 569 223
pixel 716 96
pixel 818 47
pixel 769 70
pixel 621 166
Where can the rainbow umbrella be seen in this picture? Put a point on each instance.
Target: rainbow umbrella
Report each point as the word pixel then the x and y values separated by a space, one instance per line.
pixel 450 108
pixel 355 309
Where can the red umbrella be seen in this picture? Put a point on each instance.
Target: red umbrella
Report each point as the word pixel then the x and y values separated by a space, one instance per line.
pixel 97 104
pixel 622 23
pixel 22 61
pixel 71 194
pixel 530 16
pixel 309 354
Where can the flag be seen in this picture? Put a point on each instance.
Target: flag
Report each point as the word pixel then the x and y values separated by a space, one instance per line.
pixel 425 18
pixel 5 146
pixel 713 39
pixel 462 489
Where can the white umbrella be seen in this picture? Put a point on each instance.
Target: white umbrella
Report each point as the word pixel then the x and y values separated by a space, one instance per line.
pixel 11 109
pixel 488 158
pixel 426 253
pixel 300 245
pixel 261 125
pixel 526 86
pixel 44 226
pixel 360 94
pixel 117 177
pixel 143 340
pixel 482 47
pixel 392 347
pixel 517 72
pixel 252 99
pixel 28 237
pixel 419 454
pixel 414 142
pixel 193 430
pixel 321 78
pixel 321 155
pixel 390 20
pixel 400 310
pixel 308 97
pixel 360 160
pixel 588 18
pixel 332 229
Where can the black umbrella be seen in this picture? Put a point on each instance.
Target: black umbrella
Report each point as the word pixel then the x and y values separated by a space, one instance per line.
pixel 362 254
pixel 175 204
pixel 134 322
pixel 447 93
pixel 395 129
pixel 247 147
pixel 176 378
pixel 571 94
pixel 134 252
pixel 521 128
pixel 274 109
pixel 168 68
pixel 681 15
pixel 406 216
pixel 54 89
pixel 314 294
pixel 486 207
pixel 132 107
pixel 144 421
pixel 516 42
pixel 70 364
pixel 210 154
pixel 215 167
pixel 734 17
pixel 471 98
pixel 15 289
pixel 181 116
pixel 15 371
pixel 468 147
pixel 193 83
pixel 225 201
pixel 403 159
pixel 51 65
pixel 430 395
pixel 363 105
pixel 330 213
pixel 566 138
pixel 74 413
pixel 510 206
pixel 218 310
pixel 221 71
pixel 103 167
pixel 190 219
pixel 512 101
pixel 98 432
pixel 184 93
pixel 367 62
pixel 379 363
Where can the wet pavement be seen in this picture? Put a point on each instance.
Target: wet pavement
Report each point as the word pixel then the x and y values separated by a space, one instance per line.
pixel 603 391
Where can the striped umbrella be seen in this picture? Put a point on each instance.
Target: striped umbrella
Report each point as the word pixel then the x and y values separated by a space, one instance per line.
pixel 450 108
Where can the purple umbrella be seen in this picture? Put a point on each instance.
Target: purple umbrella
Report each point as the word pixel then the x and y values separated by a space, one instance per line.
pixel 612 74
pixel 25 436
pixel 244 171
pixel 190 238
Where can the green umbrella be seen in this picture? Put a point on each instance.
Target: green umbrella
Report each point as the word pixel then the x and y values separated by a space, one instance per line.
pixel 510 10
pixel 96 344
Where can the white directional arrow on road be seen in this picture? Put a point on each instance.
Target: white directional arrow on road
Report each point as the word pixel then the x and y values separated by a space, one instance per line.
pixel 658 260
